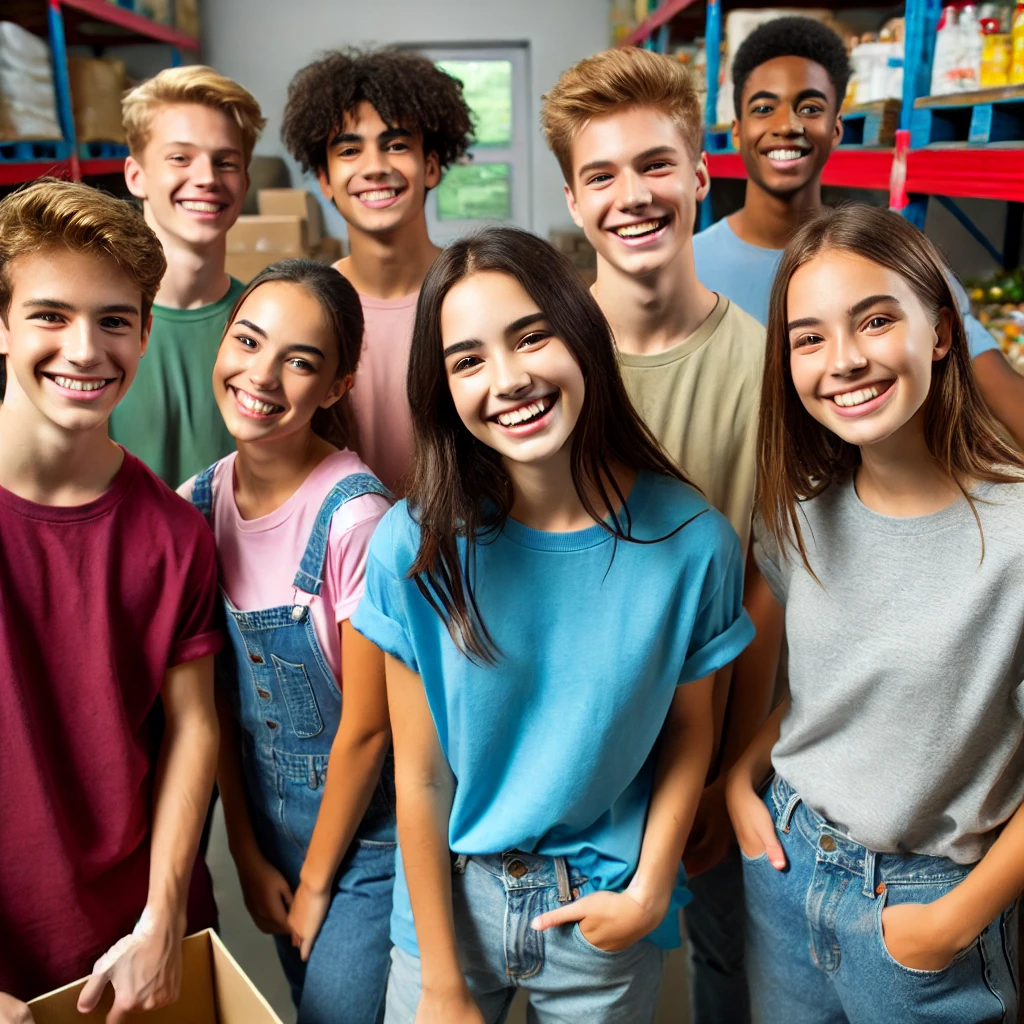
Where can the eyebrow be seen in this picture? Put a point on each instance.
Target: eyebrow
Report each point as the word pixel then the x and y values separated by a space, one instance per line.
pixel 252 327
pixel 67 307
pixel 387 135
pixel 473 343
pixel 645 155
pixel 855 310
pixel 256 329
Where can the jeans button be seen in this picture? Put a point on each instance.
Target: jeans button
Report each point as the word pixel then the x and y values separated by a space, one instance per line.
pixel 827 843
pixel 297 612
pixel 271 725
pixel 516 868
pixel 264 694
pixel 255 659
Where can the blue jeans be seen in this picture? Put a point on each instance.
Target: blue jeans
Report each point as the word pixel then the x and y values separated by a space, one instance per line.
pixel 494 899
pixel 815 949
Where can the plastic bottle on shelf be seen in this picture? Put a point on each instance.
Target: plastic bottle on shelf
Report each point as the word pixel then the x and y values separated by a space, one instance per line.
pixel 1017 45
pixel 995 55
pixel 947 45
pixel 968 70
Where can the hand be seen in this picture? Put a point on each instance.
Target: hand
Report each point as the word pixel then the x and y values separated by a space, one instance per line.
pixel 306 917
pixel 267 894
pixel 455 1007
pixel 13 1011
pixel 916 936
pixel 609 920
pixel 712 834
pixel 755 830
pixel 144 968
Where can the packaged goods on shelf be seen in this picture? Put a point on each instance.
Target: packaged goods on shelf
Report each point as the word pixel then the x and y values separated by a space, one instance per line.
pixel 186 17
pixel 28 106
pixel 877 72
pixel 158 10
pixel 1017 46
pixel 996 54
pixel 999 304
pixel 96 88
pixel 960 48
pixel 623 20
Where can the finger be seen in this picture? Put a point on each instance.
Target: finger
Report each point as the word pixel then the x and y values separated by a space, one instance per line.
pixel 306 949
pixel 92 993
pixel 772 846
pixel 571 912
pixel 118 1013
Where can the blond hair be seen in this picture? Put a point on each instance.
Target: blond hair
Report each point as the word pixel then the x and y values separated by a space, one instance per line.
pixel 195 83
pixel 615 80
pixel 64 214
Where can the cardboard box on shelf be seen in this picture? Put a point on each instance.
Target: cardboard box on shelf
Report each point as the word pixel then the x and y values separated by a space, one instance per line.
pixel 97 84
pixel 186 17
pixel 294 202
pixel 284 235
pixel 214 990
pixel 244 266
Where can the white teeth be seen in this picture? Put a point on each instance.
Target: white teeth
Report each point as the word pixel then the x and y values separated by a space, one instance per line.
pixel 851 398
pixel 198 207
pixel 526 412
pixel 79 385
pixel 632 230
pixel 785 154
pixel 255 405
pixel 380 193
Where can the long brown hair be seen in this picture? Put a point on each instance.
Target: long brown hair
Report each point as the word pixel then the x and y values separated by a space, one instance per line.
pixel 797 456
pixel 459 486
pixel 343 313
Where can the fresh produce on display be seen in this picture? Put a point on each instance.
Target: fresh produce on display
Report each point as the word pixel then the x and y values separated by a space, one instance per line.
pixel 999 304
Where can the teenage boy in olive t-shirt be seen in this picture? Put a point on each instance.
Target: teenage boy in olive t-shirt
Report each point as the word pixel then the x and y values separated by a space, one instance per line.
pixel 191 134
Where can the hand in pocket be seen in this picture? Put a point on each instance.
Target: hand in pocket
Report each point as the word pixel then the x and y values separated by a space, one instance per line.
pixel 915 939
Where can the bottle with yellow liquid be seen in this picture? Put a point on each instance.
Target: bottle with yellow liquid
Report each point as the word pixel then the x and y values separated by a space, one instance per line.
pixel 1017 37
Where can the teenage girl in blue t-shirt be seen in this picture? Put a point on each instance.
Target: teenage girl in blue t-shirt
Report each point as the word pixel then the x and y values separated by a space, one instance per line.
pixel 548 585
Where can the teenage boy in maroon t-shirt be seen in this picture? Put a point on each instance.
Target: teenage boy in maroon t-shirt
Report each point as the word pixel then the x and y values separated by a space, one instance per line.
pixel 108 593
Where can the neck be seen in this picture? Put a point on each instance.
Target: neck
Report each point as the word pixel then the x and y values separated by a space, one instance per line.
pixel 268 473
pixel 900 477
pixel 653 313
pixel 389 266
pixel 195 274
pixel 42 463
pixel 769 220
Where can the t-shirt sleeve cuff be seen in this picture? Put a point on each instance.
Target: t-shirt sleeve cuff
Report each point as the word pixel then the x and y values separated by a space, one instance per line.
pixel 387 634
pixel 979 340
pixel 195 647
pixel 719 651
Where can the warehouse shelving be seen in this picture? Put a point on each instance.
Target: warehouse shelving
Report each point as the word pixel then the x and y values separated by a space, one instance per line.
pixel 95 23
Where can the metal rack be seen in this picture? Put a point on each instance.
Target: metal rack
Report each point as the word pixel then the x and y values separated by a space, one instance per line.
pixel 97 23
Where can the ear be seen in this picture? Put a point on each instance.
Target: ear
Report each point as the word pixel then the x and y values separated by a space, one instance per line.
pixel 432 171
pixel 325 185
pixel 570 201
pixel 703 177
pixel 145 334
pixel 736 134
pixel 943 335
pixel 338 389
pixel 135 177
pixel 837 132
pixel 5 333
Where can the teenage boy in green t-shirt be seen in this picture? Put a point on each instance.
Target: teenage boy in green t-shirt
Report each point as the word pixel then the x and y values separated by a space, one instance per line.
pixel 191 133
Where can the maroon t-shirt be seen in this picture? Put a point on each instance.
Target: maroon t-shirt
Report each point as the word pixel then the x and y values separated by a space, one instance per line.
pixel 96 603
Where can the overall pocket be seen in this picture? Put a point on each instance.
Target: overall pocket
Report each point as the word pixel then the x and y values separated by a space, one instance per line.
pixel 299 698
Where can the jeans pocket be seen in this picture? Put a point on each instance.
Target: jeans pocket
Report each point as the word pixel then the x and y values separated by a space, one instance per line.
pixel 762 856
pixel 1009 926
pixel 915 971
pixel 299 697
pixel 577 934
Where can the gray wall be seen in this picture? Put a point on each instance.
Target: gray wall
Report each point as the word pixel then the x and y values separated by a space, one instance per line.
pixel 262 43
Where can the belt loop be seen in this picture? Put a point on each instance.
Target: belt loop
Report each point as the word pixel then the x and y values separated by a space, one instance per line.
pixel 787 812
pixel 869 873
pixel 460 863
pixel 562 875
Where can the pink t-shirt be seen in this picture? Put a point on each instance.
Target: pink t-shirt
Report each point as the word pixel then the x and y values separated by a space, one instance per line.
pixel 379 397
pixel 259 557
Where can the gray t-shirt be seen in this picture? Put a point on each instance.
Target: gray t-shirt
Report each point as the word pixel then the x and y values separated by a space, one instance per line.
pixel 906 670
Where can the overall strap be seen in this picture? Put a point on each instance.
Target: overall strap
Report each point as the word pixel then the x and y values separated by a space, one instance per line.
pixel 202 493
pixel 309 578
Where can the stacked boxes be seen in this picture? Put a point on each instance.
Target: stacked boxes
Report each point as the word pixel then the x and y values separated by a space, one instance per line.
pixel 289 224
pixel 575 245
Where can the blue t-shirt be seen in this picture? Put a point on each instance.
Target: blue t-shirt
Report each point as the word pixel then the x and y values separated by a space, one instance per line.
pixel 552 747
pixel 744 273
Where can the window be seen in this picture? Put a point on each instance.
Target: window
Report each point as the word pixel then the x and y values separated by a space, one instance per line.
pixel 493 185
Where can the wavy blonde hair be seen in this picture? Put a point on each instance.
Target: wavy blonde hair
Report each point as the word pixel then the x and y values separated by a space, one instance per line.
pixel 194 83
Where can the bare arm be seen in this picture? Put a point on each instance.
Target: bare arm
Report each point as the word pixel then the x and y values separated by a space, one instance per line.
pixel 146 969
pixel 357 755
pixel 1003 389
pixel 425 789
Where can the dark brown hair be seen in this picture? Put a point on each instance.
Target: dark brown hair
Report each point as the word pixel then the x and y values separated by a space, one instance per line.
pixel 344 315
pixel 460 488
pixel 797 456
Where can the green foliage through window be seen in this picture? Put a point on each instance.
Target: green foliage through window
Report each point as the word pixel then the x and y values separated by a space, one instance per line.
pixel 476 192
pixel 487 87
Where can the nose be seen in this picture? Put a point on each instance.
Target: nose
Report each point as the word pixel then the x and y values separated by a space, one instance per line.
pixel 202 170
pixel 263 372
pixel 787 122
pixel 634 193
pixel 375 163
pixel 81 345
pixel 845 356
pixel 510 377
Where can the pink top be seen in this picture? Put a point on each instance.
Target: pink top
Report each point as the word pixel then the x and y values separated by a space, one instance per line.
pixel 379 397
pixel 259 557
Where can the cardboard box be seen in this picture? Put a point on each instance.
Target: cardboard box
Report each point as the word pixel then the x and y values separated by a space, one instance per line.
pixel 244 266
pixel 213 991
pixel 284 235
pixel 294 202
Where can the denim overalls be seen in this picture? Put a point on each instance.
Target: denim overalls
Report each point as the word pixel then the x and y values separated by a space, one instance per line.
pixel 288 705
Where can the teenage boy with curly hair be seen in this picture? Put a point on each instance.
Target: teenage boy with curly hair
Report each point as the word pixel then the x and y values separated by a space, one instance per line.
pixel 625 126
pixel 379 129
pixel 789 81
pixel 191 133
pixel 108 598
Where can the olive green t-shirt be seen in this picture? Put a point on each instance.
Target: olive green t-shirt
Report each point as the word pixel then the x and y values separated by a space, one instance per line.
pixel 169 418
pixel 700 399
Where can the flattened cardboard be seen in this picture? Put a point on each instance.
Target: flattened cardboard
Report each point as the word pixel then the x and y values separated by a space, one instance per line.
pixel 214 990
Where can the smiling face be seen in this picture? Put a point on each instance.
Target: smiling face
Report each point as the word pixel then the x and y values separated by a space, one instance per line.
pixel 515 385
pixel 788 124
pixel 277 364
pixel 635 189
pixel 191 173
pixel 862 347
pixel 72 338
pixel 378 177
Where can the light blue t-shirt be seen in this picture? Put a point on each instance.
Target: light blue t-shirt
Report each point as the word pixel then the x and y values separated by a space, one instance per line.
pixel 744 273
pixel 552 747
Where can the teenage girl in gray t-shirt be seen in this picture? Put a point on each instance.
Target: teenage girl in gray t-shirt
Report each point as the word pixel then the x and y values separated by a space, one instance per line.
pixel 883 863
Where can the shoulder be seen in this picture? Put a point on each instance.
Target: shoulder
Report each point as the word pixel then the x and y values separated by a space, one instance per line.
pixel 166 512
pixel 220 468
pixel 670 503
pixel 396 540
pixel 333 472
pixel 1008 496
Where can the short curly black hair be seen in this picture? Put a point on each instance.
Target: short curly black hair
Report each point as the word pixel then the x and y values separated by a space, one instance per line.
pixel 405 88
pixel 792 37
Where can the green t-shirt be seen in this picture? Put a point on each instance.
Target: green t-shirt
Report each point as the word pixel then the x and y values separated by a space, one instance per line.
pixel 169 418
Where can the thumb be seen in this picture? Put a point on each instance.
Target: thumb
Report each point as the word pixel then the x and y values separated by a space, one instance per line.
pixel 91 995
pixel 571 912
pixel 772 846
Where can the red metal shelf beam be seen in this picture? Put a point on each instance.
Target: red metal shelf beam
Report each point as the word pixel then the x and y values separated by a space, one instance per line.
pixel 111 14
pixel 665 12
pixel 16 172
pixel 969 173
